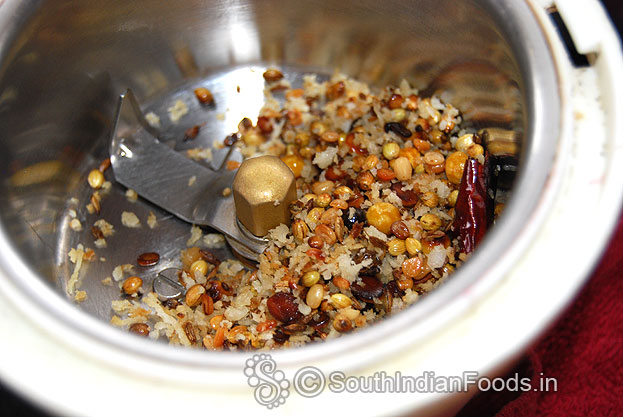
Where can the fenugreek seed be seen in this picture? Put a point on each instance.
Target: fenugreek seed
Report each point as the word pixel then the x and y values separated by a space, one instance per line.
pixel 215 322
pixel 315 242
pixel 358 161
pixel 336 90
pixel 95 179
pixel 310 278
pixel 300 230
pixel 370 162
pixel 313 216
pixel 321 187
pixel 435 169
pixel 342 324
pixel 402 167
pixel 412 155
pixel 330 137
pixel 131 285
pixel 272 74
pixel 339 204
pixel 395 101
pixel 341 301
pixel 343 192
pixel 199 267
pixel 193 295
pixel 323 200
pixel 339 228
pixel 141 329
pixel 430 199
pixel 95 202
pixel 452 197
pixel 207 304
pixel 325 233
pixel 412 267
pixel 430 222
pixel 235 331
pixel 405 284
pixel 266 325
pixel 207 342
pixel 341 283
pixel 219 338
pixel 413 246
pixel 315 294
pixel 396 247
pixel 329 216
pixel 204 95
pixel 391 150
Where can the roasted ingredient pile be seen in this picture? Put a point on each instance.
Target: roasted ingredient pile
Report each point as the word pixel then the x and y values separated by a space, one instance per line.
pixel 391 199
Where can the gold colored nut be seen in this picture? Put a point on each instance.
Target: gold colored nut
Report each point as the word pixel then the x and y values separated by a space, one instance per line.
pixel 263 189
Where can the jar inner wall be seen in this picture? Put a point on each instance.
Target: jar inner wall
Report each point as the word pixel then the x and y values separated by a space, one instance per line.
pixel 66 63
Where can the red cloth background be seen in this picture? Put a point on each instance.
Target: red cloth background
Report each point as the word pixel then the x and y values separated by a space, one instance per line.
pixel 583 351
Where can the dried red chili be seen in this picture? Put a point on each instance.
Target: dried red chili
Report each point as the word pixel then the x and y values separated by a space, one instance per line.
pixel 472 206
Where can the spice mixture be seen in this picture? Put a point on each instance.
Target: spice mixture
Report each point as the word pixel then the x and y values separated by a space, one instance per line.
pixel 391 199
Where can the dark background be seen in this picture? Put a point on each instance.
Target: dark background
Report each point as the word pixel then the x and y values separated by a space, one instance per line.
pixel 13 406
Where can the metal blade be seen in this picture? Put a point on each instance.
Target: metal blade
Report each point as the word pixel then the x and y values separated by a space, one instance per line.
pixel 163 176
